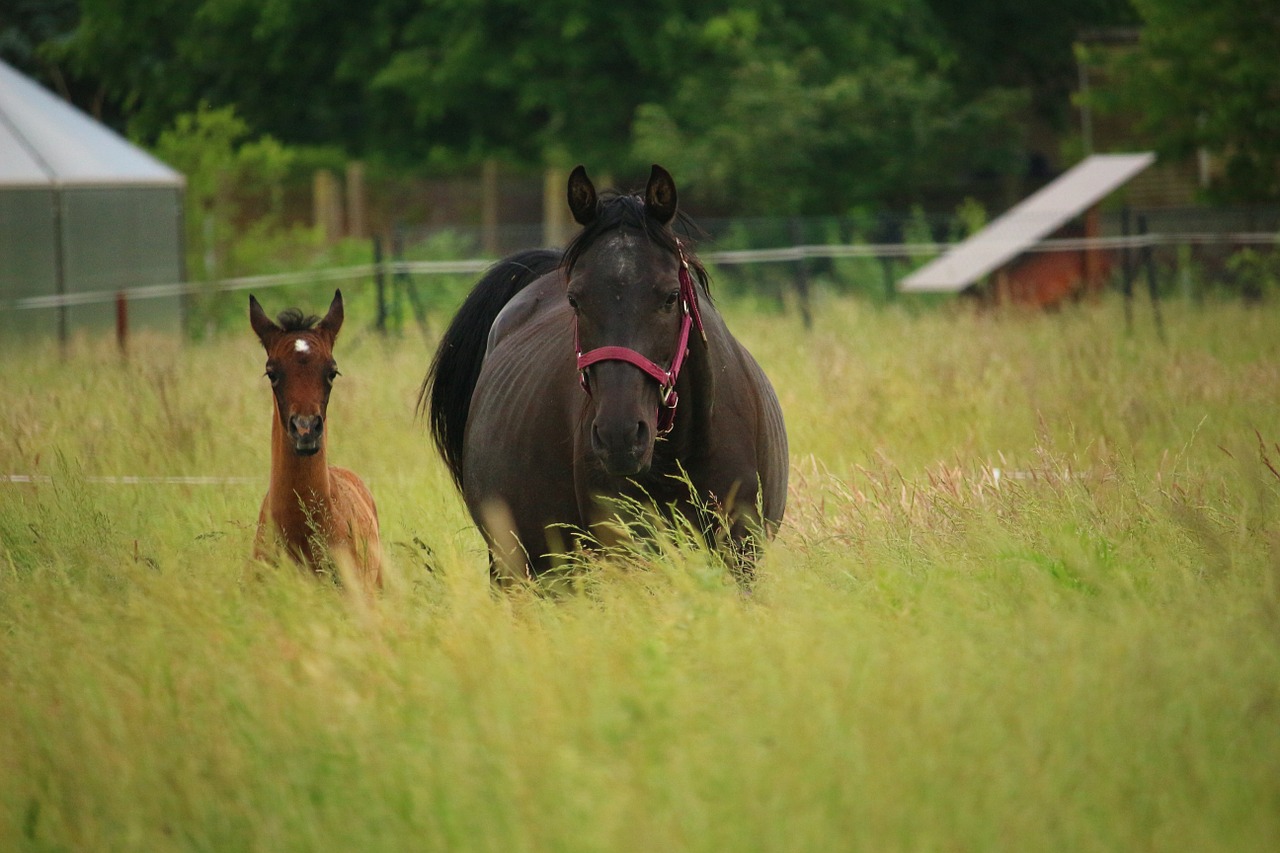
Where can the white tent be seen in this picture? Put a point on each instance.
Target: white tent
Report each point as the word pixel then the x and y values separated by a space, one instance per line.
pixel 82 211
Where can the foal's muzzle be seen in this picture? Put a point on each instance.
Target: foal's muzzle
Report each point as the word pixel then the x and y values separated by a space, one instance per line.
pixel 307 432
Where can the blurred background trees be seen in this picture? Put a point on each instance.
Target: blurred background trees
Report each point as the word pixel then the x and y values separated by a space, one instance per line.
pixel 768 107
pixel 1203 80
pixel 836 121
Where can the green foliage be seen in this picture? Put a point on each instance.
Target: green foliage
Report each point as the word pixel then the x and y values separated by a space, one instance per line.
pixel 226 234
pixel 286 67
pixel 1026 598
pixel 919 232
pixel 1203 77
pixel 1256 273
pixel 1010 44
pixel 212 149
pixel 27 25
pixel 865 276
pixel 808 133
pixel 971 217
pixel 802 109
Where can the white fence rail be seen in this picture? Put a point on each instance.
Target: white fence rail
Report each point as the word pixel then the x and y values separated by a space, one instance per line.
pixel 786 254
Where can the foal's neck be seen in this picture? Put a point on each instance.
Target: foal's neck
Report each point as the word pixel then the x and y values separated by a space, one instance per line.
pixel 296 479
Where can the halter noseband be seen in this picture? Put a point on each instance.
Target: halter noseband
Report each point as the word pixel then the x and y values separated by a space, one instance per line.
pixel 666 379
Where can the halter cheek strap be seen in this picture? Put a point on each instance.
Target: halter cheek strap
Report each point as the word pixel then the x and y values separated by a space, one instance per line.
pixel 665 377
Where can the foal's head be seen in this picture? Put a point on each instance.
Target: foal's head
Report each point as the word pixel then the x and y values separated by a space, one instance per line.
pixel 301 368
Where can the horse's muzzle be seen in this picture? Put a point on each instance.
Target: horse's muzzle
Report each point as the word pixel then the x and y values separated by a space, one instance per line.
pixel 624 450
pixel 307 432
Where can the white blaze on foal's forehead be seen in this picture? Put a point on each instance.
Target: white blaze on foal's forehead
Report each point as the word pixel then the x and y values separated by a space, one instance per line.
pixel 301 346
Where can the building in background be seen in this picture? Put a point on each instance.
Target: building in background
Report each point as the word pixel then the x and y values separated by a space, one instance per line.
pixel 83 214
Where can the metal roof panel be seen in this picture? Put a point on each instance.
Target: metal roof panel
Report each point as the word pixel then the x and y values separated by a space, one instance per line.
pixel 44 140
pixel 1027 222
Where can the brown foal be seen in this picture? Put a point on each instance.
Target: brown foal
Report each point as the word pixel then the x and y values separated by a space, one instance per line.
pixel 316 511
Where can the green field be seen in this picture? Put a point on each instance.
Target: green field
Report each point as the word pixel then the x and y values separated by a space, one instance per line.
pixel 1027 597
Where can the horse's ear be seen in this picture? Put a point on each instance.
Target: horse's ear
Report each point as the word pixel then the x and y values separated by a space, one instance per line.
pixel 660 195
pixel 263 327
pixel 582 197
pixel 332 321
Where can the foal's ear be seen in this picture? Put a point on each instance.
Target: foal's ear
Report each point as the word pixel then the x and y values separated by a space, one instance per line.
pixel 660 196
pixel 263 327
pixel 582 197
pixel 332 321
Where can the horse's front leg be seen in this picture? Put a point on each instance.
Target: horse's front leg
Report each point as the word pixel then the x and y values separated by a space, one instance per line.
pixel 732 527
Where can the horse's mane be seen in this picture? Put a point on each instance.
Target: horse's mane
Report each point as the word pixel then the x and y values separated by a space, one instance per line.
pixel 293 320
pixel 625 210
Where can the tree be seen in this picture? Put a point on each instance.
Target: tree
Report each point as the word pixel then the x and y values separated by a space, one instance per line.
pixel 537 82
pixel 31 32
pixel 857 116
pixel 1206 75
pixel 213 150
pixel 769 106
pixel 298 70
pixel 1021 45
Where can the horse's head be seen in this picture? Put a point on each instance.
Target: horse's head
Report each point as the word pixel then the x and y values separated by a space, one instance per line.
pixel 301 368
pixel 633 308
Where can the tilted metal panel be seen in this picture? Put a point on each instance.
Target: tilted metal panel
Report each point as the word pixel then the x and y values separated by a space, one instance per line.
pixel 1037 216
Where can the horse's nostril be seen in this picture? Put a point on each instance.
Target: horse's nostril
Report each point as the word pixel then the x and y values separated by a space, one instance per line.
pixel 304 425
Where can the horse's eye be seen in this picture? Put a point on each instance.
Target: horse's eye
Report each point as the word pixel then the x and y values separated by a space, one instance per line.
pixel 273 377
pixel 573 302
pixel 332 375
pixel 672 298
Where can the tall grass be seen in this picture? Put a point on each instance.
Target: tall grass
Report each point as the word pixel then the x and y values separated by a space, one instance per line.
pixel 1027 597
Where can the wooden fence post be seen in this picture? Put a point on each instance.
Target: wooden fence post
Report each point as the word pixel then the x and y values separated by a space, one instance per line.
pixel 489 207
pixel 357 202
pixel 555 207
pixel 326 205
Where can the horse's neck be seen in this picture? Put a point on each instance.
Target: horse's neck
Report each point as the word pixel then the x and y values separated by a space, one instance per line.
pixel 299 484
pixel 697 399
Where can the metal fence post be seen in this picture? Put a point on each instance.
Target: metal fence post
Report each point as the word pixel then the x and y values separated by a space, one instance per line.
pixel 380 284
pixel 1153 285
pixel 122 323
pixel 1126 262
pixel 801 274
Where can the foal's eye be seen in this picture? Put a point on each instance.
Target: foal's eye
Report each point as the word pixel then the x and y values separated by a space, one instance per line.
pixel 332 375
pixel 272 377
pixel 573 302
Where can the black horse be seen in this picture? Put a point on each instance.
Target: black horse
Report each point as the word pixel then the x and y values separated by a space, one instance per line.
pixel 568 380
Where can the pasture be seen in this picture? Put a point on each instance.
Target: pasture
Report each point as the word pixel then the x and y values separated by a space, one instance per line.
pixel 1026 597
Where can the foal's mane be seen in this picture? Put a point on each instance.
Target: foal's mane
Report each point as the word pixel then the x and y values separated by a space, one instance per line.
pixel 624 210
pixel 293 320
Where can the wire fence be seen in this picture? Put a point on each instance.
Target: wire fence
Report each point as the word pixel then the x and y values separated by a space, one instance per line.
pixel 717 258
pixel 134 480
pixel 1174 242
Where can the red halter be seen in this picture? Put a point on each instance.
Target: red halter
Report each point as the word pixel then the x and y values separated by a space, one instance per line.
pixel 666 379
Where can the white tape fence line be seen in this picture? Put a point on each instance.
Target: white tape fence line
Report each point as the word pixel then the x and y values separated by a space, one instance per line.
pixel 727 258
